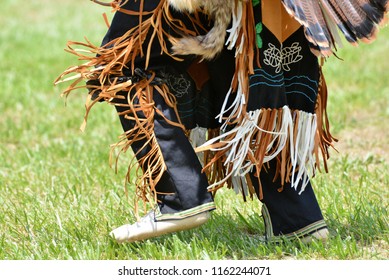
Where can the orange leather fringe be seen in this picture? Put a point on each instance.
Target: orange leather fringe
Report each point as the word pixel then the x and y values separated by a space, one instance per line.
pixel 106 62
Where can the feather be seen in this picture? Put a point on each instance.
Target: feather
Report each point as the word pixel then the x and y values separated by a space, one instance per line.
pixel 357 20
pixel 337 15
pixel 309 14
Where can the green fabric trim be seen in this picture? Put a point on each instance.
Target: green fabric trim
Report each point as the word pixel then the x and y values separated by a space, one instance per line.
pixel 258 27
pixel 186 213
pixel 258 30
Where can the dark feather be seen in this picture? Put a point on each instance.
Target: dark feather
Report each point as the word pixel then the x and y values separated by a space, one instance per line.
pixel 357 20
pixel 310 15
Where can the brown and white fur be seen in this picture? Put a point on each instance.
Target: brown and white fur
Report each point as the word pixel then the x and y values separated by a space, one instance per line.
pixel 209 45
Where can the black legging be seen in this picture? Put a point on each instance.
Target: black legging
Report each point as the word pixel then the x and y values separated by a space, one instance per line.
pixel 289 211
pixel 183 176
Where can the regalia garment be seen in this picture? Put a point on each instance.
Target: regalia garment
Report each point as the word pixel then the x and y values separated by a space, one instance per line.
pixel 160 99
pixel 280 110
pixel 255 114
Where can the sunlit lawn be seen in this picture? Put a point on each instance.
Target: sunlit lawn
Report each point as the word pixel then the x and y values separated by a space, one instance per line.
pixel 60 198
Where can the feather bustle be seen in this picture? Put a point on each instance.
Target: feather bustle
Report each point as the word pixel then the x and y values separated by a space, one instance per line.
pixel 357 20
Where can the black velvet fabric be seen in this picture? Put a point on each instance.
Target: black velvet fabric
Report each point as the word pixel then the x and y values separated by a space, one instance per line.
pixel 183 176
pixel 288 76
pixel 289 211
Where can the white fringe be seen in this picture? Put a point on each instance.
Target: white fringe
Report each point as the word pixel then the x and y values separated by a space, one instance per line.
pixel 303 156
pixel 237 165
pixel 235 27
pixel 301 149
pixel 230 43
pixel 236 107
pixel 240 98
pixel 239 183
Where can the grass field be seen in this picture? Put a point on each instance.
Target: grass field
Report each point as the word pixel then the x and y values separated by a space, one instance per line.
pixel 59 198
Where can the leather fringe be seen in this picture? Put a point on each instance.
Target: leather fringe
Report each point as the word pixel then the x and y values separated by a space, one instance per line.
pixel 297 140
pixel 105 64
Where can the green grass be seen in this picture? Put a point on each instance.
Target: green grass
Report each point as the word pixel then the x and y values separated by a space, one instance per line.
pixel 59 197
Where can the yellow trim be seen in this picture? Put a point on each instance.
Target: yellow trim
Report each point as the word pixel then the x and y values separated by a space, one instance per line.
pixel 307 230
pixel 186 213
